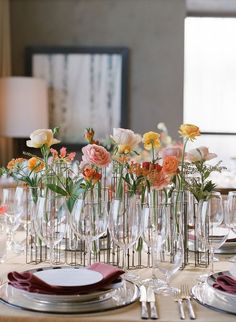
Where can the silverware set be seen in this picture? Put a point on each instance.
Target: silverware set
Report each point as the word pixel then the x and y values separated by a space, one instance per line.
pixel 147 296
pixel 180 298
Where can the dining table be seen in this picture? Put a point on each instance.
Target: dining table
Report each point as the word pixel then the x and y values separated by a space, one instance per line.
pixel 166 305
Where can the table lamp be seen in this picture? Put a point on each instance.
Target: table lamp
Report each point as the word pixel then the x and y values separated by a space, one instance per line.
pixel 23 108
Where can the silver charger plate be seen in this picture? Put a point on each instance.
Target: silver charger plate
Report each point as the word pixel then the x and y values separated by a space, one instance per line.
pixel 207 296
pixel 125 295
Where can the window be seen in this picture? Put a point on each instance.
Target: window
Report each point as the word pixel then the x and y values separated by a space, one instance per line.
pixel 210 83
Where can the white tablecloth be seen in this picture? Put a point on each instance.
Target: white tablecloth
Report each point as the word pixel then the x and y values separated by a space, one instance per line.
pixel 166 306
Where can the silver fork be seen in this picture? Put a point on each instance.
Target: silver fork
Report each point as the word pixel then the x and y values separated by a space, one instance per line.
pixel 178 299
pixel 185 294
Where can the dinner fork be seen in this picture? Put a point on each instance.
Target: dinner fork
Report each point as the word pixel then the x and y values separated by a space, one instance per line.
pixel 185 294
pixel 178 299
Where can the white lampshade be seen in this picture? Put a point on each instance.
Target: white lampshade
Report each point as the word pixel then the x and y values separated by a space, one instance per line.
pixel 23 106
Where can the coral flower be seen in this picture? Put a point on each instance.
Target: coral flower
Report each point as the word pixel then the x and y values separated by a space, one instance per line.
pixel 151 140
pixel 189 131
pixel 170 165
pixel 91 174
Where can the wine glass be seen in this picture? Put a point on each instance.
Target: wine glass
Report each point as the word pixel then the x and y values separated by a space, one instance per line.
pixel 212 229
pixel 125 225
pixel 88 221
pixel 230 220
pixel 13 202
pixel 218 230
pixel 168 249
pixel 50 220
pixel 150 217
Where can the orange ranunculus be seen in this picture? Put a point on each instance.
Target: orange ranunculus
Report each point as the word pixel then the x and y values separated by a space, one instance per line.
pixel 14 162
pixel 151 140
pixel 170 165
pixel 35 164
pixel 189 131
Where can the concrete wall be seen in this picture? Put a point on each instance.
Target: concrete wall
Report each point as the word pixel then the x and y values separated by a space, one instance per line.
pixel 152 29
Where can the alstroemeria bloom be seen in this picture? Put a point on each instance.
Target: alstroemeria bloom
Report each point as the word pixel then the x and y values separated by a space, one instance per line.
pixel 189 131
pixel 159 180
pixel 96 154
pixel 199 154
pixel 41 137
pixel 151 140
pixel 125 139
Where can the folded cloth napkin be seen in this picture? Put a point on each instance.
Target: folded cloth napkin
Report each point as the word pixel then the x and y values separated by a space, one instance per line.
pixel 29 282
pixel 225 283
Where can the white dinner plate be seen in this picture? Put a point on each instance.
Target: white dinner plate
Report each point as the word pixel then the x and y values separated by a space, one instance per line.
pixel 69 276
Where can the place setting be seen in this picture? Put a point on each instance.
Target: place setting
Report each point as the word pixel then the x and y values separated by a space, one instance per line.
pixel 218 292
pixel 68 290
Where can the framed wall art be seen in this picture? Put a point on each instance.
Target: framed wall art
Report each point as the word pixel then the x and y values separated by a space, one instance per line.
pixel 87 87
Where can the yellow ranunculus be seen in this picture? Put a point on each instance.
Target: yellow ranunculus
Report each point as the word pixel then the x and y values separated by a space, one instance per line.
pixel 151 140
pixel 189 131
pixel 41 137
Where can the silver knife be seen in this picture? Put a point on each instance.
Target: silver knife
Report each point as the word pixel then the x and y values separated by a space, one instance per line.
pixel 151 299
pixel 143 300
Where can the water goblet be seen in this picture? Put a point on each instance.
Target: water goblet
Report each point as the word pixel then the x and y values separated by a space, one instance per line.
pixel 212 230
pixel 150 217
pixel 230 209
pixel 88 221
pixel 13 202
pixel 218 230
pixel 168 249
pixel 50 220
pixel 125 225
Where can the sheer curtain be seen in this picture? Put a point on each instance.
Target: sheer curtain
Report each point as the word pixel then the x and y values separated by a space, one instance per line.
pixel 6 144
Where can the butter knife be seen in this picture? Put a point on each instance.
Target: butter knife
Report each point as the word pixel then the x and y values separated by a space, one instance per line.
pixel 151 299
pixel 143 300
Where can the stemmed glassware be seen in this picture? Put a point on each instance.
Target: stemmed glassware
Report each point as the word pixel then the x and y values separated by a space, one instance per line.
pixel 125 225
pixel 50 220
pixel 150 217
pixel 168 249
pixel 218 230
pixel 230 209
pixel 88 220
pixel 212 228
pixel 13 201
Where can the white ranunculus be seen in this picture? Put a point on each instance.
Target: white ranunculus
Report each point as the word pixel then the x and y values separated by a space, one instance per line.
pixel 126 139
pixel 199 154
pixel 41 137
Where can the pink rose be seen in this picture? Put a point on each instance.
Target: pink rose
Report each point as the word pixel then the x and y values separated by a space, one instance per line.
pixel 96 154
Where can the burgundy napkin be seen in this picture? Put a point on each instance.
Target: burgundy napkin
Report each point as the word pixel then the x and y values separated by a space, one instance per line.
pixel 225 283
pixel 29 282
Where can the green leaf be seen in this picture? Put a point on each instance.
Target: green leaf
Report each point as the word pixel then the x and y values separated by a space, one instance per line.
pixel 57 189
